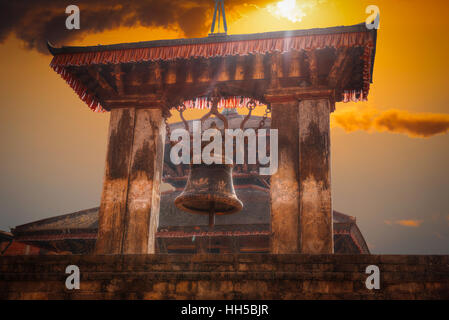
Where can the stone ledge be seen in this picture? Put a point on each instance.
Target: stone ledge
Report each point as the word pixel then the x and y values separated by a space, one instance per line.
pixel 210 276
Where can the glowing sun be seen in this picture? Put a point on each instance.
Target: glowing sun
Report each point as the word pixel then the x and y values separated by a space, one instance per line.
pixel 291 9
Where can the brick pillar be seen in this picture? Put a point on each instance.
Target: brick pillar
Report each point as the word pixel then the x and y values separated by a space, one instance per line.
pixel 284 188
pixel 129 208
pixel 315 208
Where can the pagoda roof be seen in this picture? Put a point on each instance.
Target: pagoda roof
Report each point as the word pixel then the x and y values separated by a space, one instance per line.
pixel 105 77
pixel 212 39
pixel 316 38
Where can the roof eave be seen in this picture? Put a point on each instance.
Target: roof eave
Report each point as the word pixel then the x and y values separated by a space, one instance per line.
pixel 228 38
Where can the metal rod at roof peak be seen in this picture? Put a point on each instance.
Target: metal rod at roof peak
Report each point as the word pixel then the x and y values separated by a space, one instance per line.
pixel 220 12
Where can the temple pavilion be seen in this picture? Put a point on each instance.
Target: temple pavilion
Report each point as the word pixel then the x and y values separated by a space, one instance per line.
pixel 299 75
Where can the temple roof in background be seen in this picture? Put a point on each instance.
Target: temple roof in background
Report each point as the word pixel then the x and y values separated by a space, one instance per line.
pixel 76 232
pixel 170 216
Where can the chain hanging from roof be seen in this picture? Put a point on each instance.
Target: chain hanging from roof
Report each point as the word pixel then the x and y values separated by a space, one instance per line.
pixel 220 11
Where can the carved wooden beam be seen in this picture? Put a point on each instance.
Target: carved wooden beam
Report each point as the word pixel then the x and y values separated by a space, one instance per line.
pixel 132 79
pixel 222 73
pixel 94 73
pixel 203 69
pixel 275 70
pixel 298 93
pixel 337 68
pixel 346 72
pixel 292 64
pixel 118 74
pixel 189 71
pixel 313 67
pixel 240 68
pixel 258 71
pixel 171 73
pixel 154 77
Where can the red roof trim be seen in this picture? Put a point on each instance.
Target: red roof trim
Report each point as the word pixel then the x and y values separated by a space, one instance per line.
pixel 209 50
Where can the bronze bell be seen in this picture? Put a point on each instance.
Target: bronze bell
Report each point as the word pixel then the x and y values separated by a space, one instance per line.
pixel 210 188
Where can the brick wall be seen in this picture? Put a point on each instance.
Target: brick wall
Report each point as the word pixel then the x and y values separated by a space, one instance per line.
pixel 241 276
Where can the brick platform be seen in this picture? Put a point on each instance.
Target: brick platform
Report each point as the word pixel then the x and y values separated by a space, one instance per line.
pixel 242 276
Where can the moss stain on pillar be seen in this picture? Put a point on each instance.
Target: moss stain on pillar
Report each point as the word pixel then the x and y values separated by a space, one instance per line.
pixel 145 178
pixel 284 188
pixel 314 167
pixel 115 184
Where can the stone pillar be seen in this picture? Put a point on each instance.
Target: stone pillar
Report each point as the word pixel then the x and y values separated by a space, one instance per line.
pixel 115 184
pixel 301 204
pixel 129 208
pixel 284 189
pixel 142 218
pixel 315 208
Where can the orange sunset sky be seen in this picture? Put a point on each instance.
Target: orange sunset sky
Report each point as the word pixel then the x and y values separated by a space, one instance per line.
pixel 390 155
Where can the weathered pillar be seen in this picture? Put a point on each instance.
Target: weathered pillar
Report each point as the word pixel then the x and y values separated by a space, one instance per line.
pixel 129 208
pixel 301 204
pixel 115 184
pixel 315 208
pixel 145 176
pixel 284 189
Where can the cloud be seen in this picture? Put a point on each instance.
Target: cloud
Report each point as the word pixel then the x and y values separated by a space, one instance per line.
pixel 415 125
pixel 37 21
pixel 410 223
pixel 405 223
